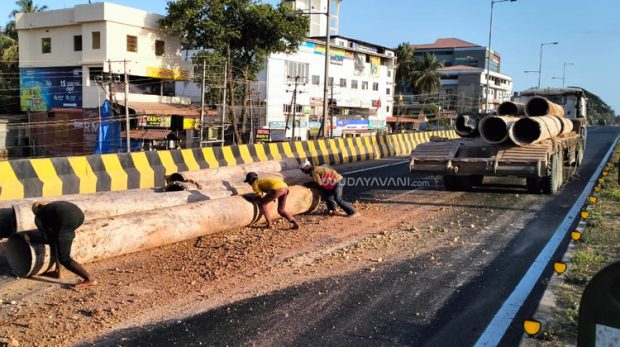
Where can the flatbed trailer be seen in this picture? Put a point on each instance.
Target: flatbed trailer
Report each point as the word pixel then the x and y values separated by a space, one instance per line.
pixel 465 162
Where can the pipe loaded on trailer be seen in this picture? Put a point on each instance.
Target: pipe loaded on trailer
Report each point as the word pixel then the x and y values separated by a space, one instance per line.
pixel 538 140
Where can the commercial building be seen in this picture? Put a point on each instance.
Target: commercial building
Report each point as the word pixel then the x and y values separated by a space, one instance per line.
pixel 465 73
pixel 70 61
pixel 361 82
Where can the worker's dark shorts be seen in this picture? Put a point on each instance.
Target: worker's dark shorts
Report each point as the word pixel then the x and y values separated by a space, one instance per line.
pixel 63 241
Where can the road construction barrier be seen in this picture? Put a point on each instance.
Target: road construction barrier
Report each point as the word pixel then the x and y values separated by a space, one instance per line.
pixel 48 177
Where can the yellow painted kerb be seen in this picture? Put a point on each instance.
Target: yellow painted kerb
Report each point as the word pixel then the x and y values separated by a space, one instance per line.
pixel 85 173
pixel 113 167
pixel 52 184
pixel 10 187
pixel 147 175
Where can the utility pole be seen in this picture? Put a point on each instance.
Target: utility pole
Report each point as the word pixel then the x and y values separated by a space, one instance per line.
pixel 327 62
pixel 224 99
pixel 127 127
pixel 331 113
pixel 202 103
pixel 112 101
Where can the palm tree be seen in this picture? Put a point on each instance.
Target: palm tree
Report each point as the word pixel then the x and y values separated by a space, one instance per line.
pixel 9 49
pixel 26 6
pixel 427 76
pixel 405 71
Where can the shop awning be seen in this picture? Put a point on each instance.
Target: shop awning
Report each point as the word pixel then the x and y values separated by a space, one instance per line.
pixel 147 134
pixel 161 109
pixel 402 120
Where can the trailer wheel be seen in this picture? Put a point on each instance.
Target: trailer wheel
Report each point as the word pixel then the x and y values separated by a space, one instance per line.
pixel 533 184
pixel 550 183
pixel 579 156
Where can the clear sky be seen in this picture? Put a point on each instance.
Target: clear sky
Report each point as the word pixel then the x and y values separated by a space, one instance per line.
pixel 588 32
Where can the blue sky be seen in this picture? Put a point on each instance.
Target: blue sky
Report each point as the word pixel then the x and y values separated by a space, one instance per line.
pixel 588 33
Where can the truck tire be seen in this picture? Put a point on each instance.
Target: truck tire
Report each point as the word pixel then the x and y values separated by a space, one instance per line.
pixel 457 183
pixel 550 183
pixel 579 155
pixel 533 184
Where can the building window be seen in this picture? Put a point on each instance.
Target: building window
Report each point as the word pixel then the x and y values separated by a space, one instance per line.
pixel 77 43
pixel 388 91
pixel 387 108
pixel 160 48
pixel 46 45
pixel 331 81
pixel 96 36
pixel 132 43
pixel 295 69
pixel 449 91
pixel 316 80
pixel 298 108
pixel 364 85
pixel 353 84
pixel 375 86
pixel 343 83
pixel 389 73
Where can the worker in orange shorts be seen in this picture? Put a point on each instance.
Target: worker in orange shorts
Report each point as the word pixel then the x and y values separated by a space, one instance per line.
pixel 268 190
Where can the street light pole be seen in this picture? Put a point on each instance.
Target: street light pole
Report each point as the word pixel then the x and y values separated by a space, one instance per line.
pixel 488 62
pixel 326 81
pixel 541 59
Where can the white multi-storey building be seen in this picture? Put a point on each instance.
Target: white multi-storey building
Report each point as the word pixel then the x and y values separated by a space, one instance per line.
pixel 361 88
pixel 70 58
pixel 70 47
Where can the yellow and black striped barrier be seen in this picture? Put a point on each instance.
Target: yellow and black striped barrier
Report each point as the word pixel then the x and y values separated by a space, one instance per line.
pixel 47 177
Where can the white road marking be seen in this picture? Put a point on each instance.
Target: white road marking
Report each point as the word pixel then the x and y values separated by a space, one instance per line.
pixel 496 329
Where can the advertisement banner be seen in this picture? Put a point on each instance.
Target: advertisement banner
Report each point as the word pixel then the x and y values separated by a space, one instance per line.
pixel 375 64
pixel 167 74
pixel 359 68
pixel 44 88
pixel 352 124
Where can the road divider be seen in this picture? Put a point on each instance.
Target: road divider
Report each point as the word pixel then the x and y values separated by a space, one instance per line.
pixel 49 177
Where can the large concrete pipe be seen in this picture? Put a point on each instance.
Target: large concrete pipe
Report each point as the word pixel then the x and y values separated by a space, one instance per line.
pixel 467 124
pixel 527 131
pixel 539 106
pixel 511 108
pixel 115 236
pixel 494 129
pixel 235 183
pixel 104 205
pixel 230 172
pixel 28 259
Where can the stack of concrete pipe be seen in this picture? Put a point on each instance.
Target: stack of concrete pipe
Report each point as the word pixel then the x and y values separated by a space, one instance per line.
pixel 525 124
pixel 154 218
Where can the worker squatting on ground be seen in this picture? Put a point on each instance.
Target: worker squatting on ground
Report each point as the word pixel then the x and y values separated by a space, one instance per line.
pixel 57 222
pixel 330 183
pixel 268 190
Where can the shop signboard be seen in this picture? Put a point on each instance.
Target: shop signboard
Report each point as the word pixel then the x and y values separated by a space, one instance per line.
pixel 44 88
pixel 154 121
pixel 263 135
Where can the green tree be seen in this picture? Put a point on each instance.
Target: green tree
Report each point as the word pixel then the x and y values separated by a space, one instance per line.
pixel 405 71
pixel 243 33
pixel 427 75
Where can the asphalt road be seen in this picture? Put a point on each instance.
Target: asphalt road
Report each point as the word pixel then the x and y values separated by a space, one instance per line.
pixel 446 306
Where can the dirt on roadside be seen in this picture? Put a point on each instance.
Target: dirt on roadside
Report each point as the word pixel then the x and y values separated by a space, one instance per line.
pixel 183 279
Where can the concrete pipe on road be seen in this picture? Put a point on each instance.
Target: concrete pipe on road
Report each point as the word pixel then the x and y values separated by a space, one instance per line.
pixel 539 106
pixel 467 124
pixel 511 108
pixel 110 237
pixel 527 131
pixel 494 129
pixel 231 172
